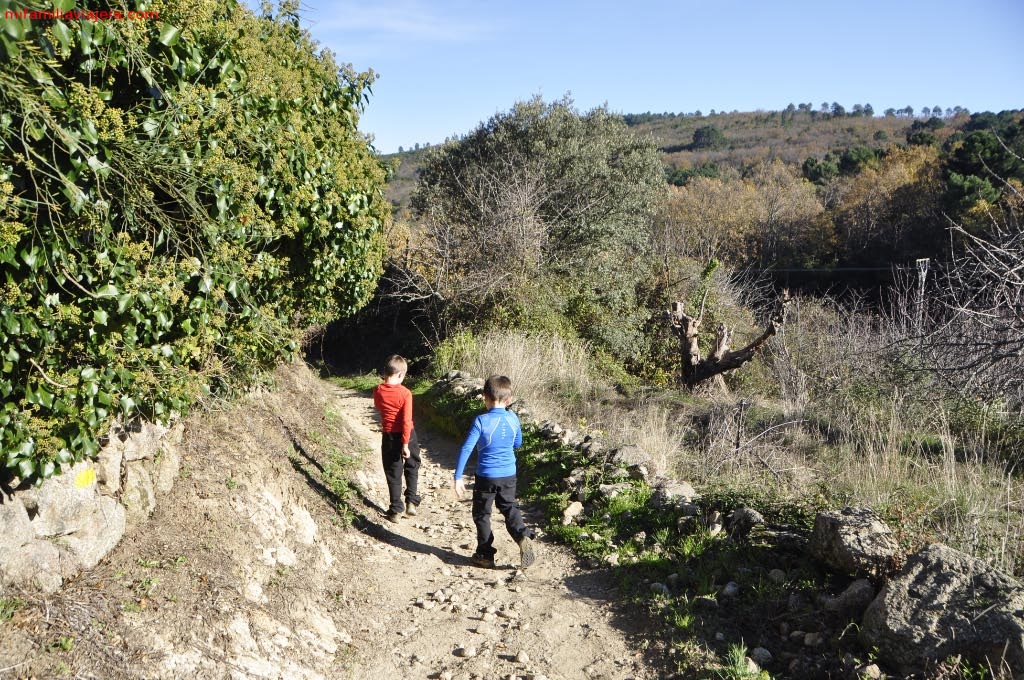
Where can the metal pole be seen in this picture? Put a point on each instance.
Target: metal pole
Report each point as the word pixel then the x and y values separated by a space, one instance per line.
pixel 922 274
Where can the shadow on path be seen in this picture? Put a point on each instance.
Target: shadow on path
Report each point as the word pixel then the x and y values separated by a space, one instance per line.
pixel 306 463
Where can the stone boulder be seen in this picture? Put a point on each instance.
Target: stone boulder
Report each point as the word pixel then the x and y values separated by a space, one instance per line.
pixel 574 510
pixel 526 414
pixel 853 600
pixel 144 441
pixel 742 521
pixel 60 505
pixel 551 430
pixel 945 603
pixel 636 461
pixel 669 494
pixel 609 491
pixel 854 541
pixel 36 564
pixel 460 383
pixel 577 483
pixel 75 518
pixel 102 527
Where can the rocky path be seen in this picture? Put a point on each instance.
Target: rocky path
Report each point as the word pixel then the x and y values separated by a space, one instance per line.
pixel 246 570
pixel 440 617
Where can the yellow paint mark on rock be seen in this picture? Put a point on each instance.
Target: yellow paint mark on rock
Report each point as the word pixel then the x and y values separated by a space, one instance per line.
pixel 85 478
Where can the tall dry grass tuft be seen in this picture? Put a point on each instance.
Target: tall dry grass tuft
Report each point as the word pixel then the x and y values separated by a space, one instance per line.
pixel 655 428
pixel 936 491
pixel 550 373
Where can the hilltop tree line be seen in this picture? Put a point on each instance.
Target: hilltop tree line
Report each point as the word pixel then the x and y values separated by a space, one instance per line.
pixel 858 206
pixel 825 109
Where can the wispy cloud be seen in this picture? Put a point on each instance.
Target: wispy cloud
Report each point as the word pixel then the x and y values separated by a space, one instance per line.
pixel 402 20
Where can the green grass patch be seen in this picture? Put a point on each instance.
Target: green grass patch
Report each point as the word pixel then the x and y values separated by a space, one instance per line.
pixel 8 606
pixel 735 666
pixel 363 383
pixel 444 412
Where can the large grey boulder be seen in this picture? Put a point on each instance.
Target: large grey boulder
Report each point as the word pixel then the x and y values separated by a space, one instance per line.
pixel 854 541
pixel 636 461
pixel 946 603
pixel 75 518
pixel 610 491
pixel 669 494
pixel 59 506
pixel 460 383
pixel 742 521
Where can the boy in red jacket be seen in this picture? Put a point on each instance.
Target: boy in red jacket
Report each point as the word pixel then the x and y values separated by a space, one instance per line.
pixel 400 451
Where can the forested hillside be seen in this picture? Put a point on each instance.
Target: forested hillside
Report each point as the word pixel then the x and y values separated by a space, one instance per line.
pixel 808 188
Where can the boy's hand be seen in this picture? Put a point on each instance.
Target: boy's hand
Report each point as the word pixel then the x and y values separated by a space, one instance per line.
pixel 405 451
pixel 460 488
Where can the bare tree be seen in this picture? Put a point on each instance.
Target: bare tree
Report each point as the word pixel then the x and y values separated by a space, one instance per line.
pixel 696 370
pixel 979 342
pixel 454 259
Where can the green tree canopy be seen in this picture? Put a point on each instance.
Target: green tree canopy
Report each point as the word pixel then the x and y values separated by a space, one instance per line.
pixel 540 203
pixel 707 137
pixel 981 161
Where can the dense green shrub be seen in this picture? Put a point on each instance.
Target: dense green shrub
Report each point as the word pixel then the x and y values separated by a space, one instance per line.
pixel 178 199
pixel 534 220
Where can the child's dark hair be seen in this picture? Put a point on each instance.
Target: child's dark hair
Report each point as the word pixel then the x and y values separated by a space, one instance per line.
pixel 393 365
pixel 498 388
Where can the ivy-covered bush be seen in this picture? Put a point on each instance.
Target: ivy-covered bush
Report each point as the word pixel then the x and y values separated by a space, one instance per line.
pixel 179 198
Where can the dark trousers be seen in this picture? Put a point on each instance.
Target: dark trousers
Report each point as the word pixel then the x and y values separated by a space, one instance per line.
pixel 500 491
pixel 395 467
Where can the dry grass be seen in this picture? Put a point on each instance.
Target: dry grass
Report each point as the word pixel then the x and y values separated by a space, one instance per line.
pixel 839 426
pixel 969 503
pixel 550 374
pixel 656 429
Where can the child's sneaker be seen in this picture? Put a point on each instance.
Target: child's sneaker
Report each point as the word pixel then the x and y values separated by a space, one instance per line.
pixel 526 553
pixel 483 561
pixel 410 509
pixel 392 517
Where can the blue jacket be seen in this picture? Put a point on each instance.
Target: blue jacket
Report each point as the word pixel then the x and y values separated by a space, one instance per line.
pixel 496 434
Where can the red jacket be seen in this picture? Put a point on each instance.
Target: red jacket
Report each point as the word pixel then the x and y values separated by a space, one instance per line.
pixel 395 405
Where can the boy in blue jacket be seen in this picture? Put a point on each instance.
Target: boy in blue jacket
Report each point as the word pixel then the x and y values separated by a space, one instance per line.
pixel 495 434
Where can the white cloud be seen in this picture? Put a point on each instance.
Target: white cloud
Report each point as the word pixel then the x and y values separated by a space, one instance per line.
pixel 407 20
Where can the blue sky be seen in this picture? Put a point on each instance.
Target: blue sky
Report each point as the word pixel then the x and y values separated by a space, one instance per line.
pixel 446 65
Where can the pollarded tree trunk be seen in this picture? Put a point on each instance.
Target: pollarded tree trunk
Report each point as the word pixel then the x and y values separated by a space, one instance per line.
pixel 696 370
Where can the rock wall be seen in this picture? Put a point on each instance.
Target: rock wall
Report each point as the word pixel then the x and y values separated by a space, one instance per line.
pixel 72 520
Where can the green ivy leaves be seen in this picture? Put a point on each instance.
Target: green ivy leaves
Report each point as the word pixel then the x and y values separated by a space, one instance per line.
pixel 163 193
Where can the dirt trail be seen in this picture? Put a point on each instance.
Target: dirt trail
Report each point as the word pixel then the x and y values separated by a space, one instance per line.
pixel 245 571
pixel 551 620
